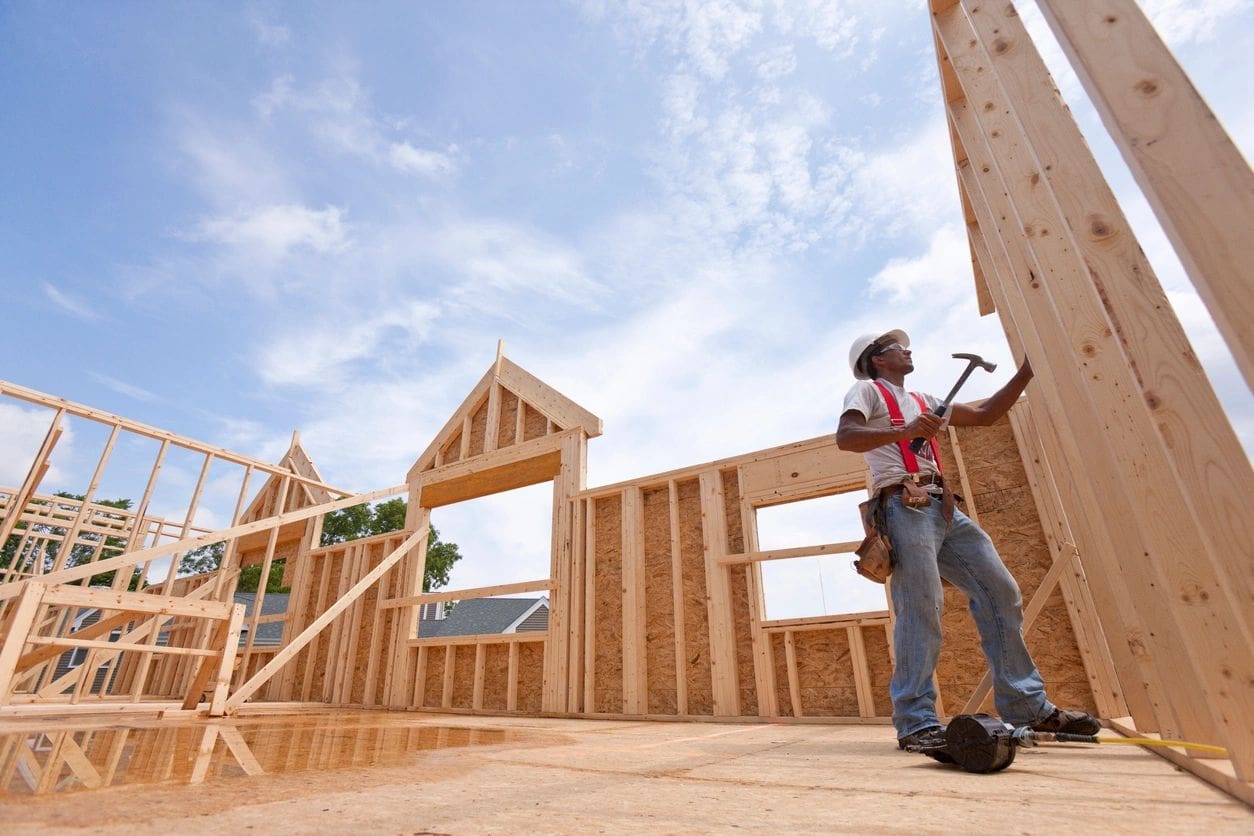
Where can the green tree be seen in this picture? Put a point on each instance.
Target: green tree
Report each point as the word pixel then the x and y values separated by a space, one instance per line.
pixel 367 521
pixel 204 559
pixel 250 578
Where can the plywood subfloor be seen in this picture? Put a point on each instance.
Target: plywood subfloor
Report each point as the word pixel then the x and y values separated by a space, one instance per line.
pixel 418 772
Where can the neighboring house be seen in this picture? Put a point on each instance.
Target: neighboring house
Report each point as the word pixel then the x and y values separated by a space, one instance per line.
pixel 268 635
pixel 486 616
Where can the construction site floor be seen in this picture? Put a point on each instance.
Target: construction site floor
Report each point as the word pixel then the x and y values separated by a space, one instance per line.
pixel 405 772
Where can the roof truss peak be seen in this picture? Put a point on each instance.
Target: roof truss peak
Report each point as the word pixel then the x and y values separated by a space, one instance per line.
pixel 509 406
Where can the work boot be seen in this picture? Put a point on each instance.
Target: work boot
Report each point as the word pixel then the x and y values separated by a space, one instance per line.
pixel 929 741
pixel 1067 721
pixel 929 737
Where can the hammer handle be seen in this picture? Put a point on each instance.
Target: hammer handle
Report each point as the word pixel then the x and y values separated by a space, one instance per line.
pixel 917 444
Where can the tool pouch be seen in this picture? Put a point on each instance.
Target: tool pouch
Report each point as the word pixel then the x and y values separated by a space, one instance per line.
pixel 914 496
pixel 875 553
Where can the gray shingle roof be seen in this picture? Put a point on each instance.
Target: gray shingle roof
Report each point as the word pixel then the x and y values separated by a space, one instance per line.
pixel 478 616
pixel 268 635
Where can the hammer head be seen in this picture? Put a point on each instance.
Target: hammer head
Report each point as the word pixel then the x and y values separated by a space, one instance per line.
pixel 976 360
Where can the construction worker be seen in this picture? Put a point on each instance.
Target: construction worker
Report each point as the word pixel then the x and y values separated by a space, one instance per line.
pixel 932 540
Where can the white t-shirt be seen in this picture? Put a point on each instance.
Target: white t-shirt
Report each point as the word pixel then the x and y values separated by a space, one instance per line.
pixel 887 467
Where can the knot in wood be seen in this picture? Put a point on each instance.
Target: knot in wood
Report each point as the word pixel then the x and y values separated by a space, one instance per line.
pixel 1109 19
pixel 1088 349
pixel 988 106
pixel 1194 592
pixel 1147 87
pixel 1001 45
pixel 1153 401
pixel 1011 11
pixel 1099 227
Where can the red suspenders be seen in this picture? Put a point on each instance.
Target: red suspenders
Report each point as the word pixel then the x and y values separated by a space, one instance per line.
pixel 895 416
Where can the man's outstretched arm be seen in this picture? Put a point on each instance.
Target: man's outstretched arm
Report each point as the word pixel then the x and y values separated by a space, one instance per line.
pixel 996 405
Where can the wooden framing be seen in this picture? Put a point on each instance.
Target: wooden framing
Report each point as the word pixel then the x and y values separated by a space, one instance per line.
pixel 1073 289
pixel 1117 491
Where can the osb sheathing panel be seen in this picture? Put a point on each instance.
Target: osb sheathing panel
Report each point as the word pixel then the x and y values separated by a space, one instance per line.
pixel 608 600
pixel 741 615
pixel 478 428
pixel 433 686
pixel 1007 512
pixel 535 425
pixel 825 673
pixel 531 676
pixel 453 449
pixel 365 625
pixel 332 562
pixel 659 603
pixel 496 677
pixel 696 622
pixel 509 416
pixel 464 676
pixel 782 695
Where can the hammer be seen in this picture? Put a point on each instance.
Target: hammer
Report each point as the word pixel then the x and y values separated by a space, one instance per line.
pixel 973 360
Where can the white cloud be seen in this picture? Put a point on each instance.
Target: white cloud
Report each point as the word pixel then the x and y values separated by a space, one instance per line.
pixel 272 231
pixel 269 34
pixel 318 354
pixel 1188 21
pixel 121 387
pixel 70 304
pixel 495 261
pixel 419 161
pixel 339 113
pixel 22 432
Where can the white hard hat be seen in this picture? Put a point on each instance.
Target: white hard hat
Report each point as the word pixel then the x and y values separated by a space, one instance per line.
pixel 862 343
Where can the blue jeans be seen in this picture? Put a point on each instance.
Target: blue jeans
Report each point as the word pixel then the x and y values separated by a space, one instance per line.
pixel 925 549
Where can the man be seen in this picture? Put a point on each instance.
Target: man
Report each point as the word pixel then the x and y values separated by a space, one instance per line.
pixel 932 540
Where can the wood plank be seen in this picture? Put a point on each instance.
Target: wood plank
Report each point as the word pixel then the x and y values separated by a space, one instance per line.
pixel 763 654
pixel 590 610
pixel 420 678
pixel 34 475
pixel 1090 329
pixel 718 596
pixel 468 593
pixel 141 602
pixel 511 687
pixel 1095 534
pixel 635 660
pixel 677 602
pixel 794 679
pixel 787 554
pixel 1093 530
pixel 17 632
pixel 450 669
pixel 1094 649
pixel 100 628
pixel 493 416
pixel 861 671
pixel 481 661
pixel 1195 178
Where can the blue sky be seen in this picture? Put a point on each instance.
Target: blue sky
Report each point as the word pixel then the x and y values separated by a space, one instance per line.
pixel 233 220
